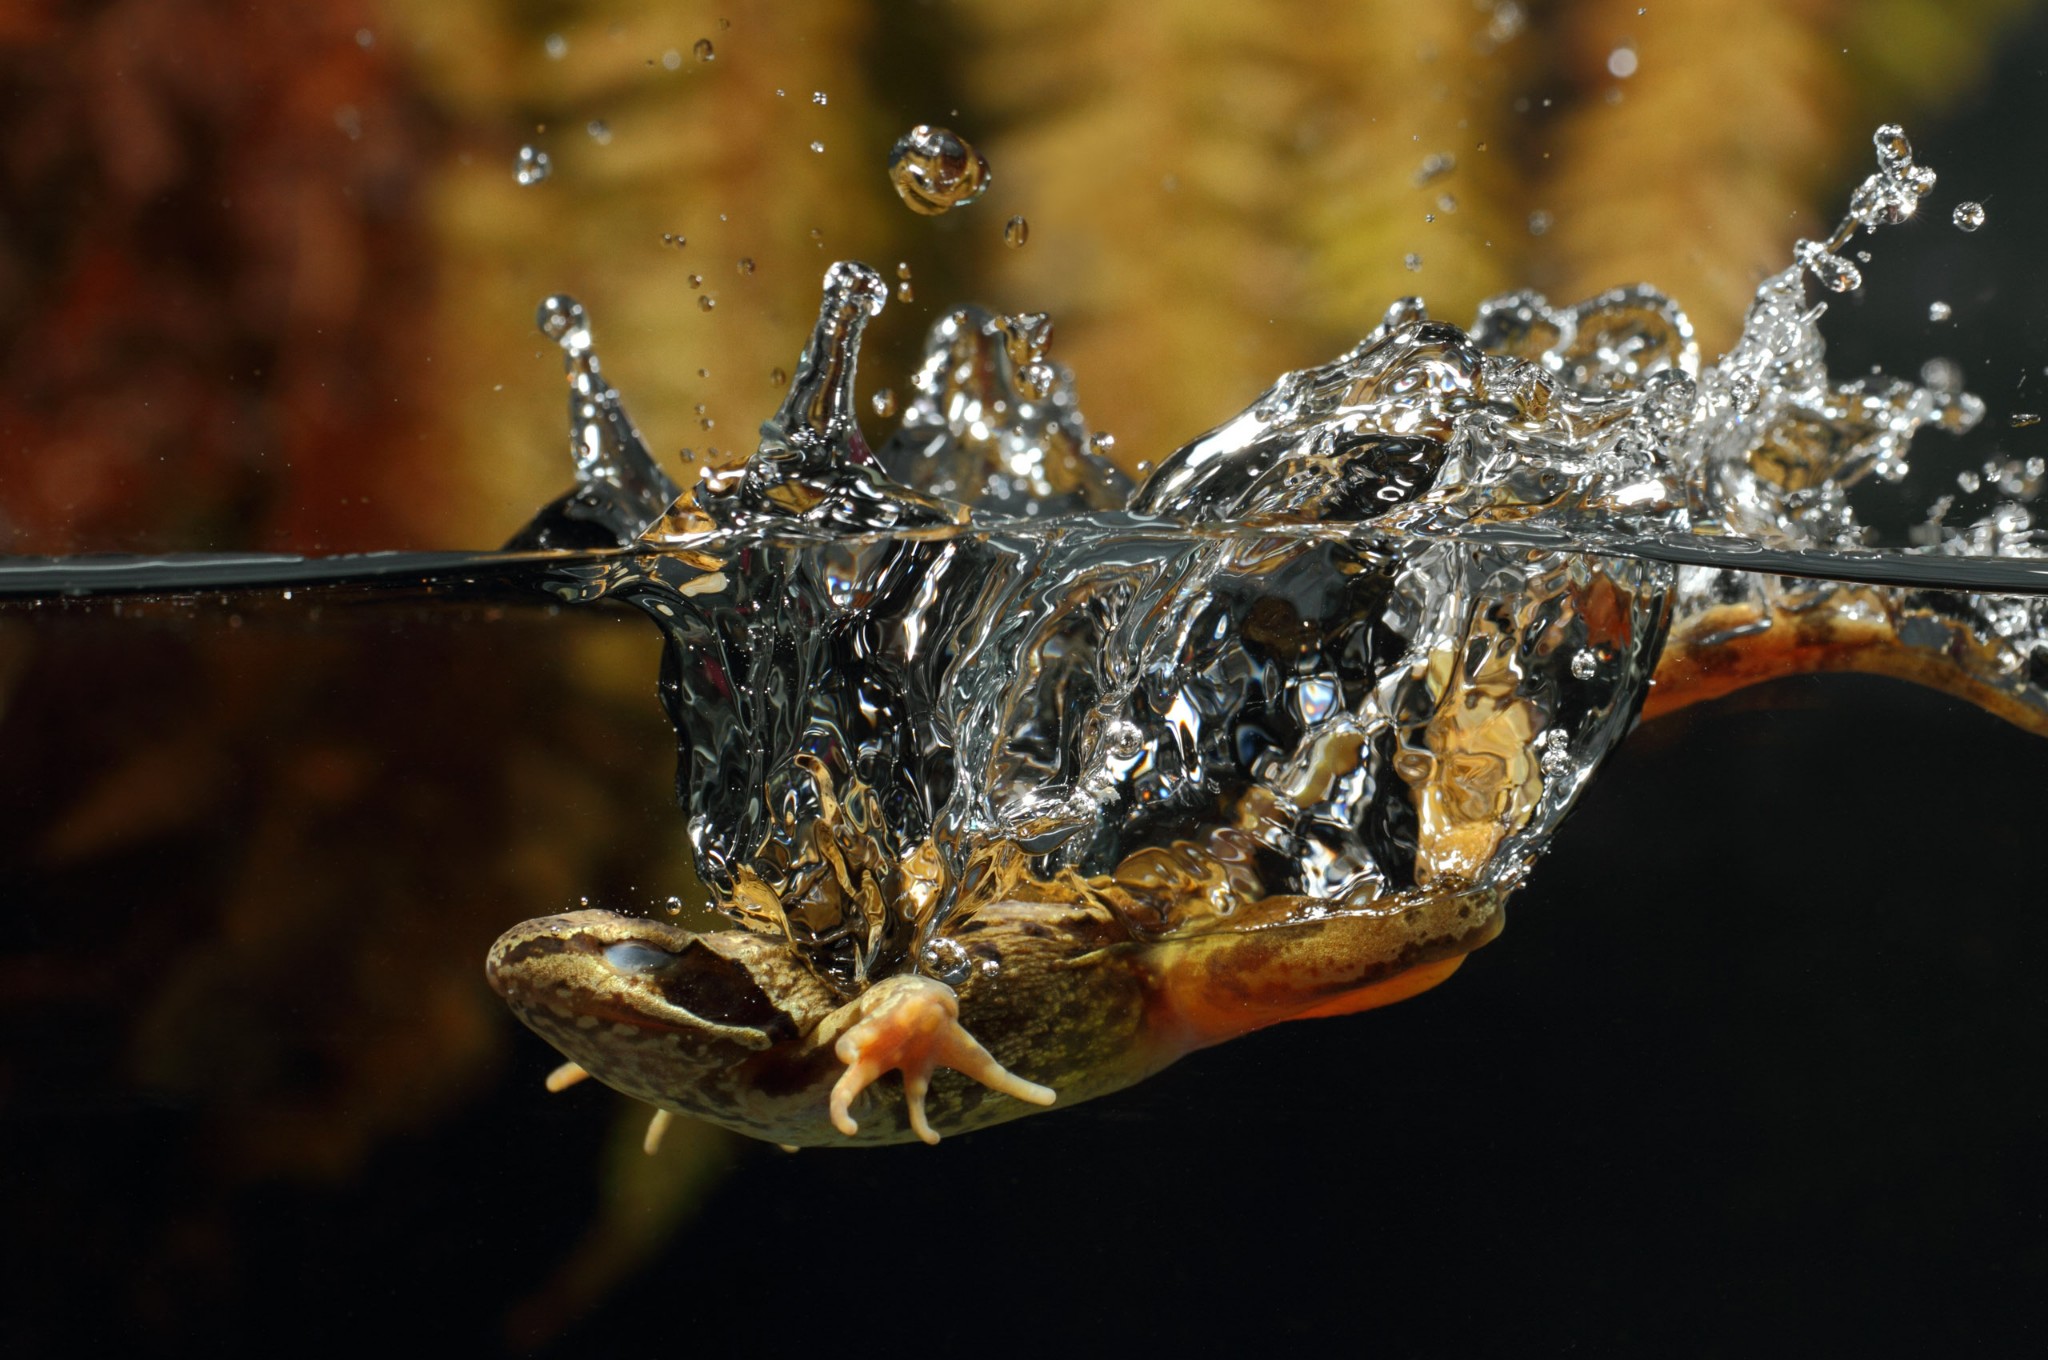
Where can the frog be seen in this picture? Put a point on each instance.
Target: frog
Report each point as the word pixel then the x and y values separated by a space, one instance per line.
pixel 1015 781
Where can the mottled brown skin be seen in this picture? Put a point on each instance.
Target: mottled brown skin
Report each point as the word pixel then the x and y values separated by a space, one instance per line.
pixel 734 1028
pixel 1734 646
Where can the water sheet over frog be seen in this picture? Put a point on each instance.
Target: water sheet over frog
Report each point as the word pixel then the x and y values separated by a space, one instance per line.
pixel 1022 782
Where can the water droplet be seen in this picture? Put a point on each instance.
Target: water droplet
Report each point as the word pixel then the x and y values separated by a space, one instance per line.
pixel 1036 379
pixel 1942 375
pixel 905 293
pixel 707 302
pixel 696 280
pixel 1435 166
pixel 1968 480
pixel 1411 262
pixel 1556 755
pixel 1540 222
pixel 777 377
pixel 1016 232
pixel 818 147
pixel 557 46
pixel 674 238
pixel 818 98
pixel 1894 152
pixel 1585 664
pixel 2022 419
pixel 935 170
pixel 1833 272
pixel 884 402
pixel 903 270
pixel 746 264
pixel 533 165
pixel 1621 63
pixel 1939 311
pixel 1101 445
pixel 1446 203
pixel 702 50
pixel 1969 216
pixel 600 131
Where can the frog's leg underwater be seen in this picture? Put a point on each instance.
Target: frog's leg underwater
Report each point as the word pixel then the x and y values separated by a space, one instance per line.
pixel 733 1027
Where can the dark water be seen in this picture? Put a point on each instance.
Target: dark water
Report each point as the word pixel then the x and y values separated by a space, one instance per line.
pixel 1754 1058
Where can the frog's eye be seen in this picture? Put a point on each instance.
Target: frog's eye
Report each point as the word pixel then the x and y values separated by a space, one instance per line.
pixel 637 959
pixel 700 980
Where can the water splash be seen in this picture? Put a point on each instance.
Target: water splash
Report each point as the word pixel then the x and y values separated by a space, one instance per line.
pixel 1356 649
pixel 620 490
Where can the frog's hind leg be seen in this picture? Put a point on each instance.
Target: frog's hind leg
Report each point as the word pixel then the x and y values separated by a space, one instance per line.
pixel 1978 648
pixel 912 1024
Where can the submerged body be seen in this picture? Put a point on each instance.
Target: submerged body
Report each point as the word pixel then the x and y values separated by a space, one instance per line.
pixel 1020 782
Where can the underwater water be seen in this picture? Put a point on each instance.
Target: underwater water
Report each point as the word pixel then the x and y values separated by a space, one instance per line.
pixel 1752 1058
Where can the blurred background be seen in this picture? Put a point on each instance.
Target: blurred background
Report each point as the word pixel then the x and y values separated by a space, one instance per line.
pixel 1742 1066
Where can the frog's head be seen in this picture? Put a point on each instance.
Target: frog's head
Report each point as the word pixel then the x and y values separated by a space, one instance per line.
pixel 680 1019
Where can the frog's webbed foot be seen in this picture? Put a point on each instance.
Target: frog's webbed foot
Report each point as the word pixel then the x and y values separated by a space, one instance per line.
pixel 913 1024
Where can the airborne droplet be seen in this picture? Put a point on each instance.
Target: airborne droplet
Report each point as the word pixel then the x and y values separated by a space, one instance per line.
pixel 884 402
pixel 533 165
pixel 702 50
pixel 1016 232
pixel 935 170
pixel 1939 311
pixel 1969 216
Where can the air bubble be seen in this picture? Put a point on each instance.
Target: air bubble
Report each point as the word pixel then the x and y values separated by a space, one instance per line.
pixel 1585 664
pixel 706 302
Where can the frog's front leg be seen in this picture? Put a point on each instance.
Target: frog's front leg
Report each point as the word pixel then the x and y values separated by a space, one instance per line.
pixel 734 1027
pixel 912 1024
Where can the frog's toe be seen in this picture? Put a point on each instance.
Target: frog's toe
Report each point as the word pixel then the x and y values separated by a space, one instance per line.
pixel 912 1025
pixel 565 1076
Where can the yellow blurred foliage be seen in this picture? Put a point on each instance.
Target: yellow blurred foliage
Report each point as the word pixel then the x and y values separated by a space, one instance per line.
pixel 1215 193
